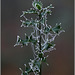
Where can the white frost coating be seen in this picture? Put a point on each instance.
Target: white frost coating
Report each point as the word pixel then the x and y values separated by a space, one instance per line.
pixel 18 41
pixel 18 37
pixel 18 44
pixel 37 48
pixel 33 49
pixel 43 38
pixel 49 50
pixel 61 32
pixel 25 65
pixel 34 68
pixel 53 38
pixel 21 71
pixel 52 35
pixel 25 17
pixel 22 23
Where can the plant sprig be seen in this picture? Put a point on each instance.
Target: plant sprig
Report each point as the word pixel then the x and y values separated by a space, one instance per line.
pixel 40 42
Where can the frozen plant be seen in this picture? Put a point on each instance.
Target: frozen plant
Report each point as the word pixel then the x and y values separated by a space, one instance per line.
pixel 41 39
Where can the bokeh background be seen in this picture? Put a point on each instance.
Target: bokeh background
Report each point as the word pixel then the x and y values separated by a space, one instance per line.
pixel 61 60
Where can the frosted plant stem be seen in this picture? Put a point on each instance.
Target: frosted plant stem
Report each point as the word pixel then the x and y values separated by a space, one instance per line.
pixel 33 49
pixel 36 32
pixel 40 69
pixel 40 43
pixel 43 39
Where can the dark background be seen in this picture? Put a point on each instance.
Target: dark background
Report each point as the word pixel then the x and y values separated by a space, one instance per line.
pixel 61 60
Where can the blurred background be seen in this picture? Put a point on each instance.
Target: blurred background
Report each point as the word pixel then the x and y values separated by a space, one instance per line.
pixel 61 60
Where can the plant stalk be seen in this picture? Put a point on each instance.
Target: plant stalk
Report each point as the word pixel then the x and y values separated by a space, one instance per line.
pixel 40 44
pixel 40 73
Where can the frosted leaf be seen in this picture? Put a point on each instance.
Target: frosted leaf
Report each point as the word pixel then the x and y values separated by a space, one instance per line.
pixel 49 50
pixel 21 70
pixel 53 38
pixel 23 14
pixel 61 32
pixel 18 41
pixel 18 38
pixel 25 17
